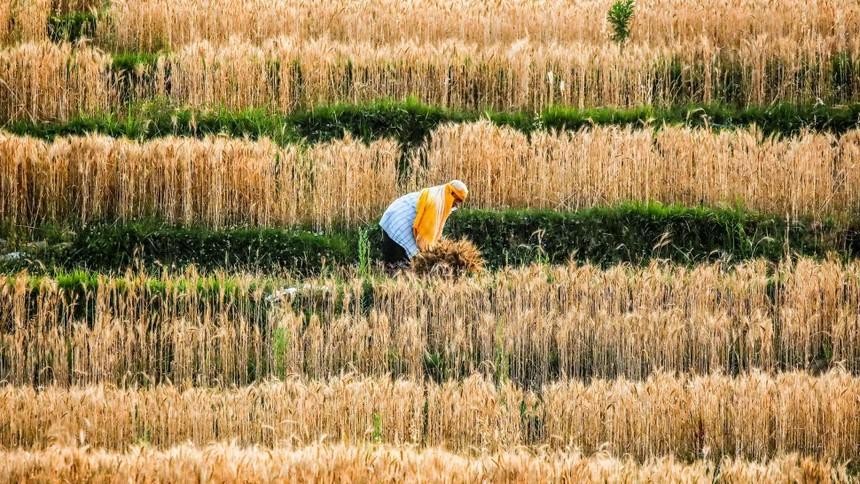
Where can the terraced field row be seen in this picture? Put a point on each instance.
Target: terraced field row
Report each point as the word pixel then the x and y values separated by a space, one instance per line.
pixel 533 325
pixel 411 122
pixel 127 25
pixel 46 81
pixel 752 415
pixel 361 463
pixel 222 181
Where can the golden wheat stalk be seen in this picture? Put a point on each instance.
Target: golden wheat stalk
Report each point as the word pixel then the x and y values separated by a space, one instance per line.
pixel 24 20
pixel 521 75
pixel 45 81
pixel 151 25
pixel 808 175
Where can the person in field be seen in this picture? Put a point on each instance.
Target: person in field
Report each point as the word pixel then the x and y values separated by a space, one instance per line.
pixel 413 223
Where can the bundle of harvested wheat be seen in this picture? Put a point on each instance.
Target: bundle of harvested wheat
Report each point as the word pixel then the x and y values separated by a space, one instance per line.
pixel 449 258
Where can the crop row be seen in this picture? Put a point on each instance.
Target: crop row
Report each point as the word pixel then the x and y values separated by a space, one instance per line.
pixel 753 416
pixel 532 325
pixel 151 25
pixel 47 81
pixel 386 463
pixel 411 122
pixel 223 181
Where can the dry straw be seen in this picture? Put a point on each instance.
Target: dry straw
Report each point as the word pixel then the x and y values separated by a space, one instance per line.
pixel 752 416
pixel 532 325
pixel 386 463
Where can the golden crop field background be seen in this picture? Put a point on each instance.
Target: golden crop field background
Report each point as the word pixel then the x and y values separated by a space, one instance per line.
pixel 665 194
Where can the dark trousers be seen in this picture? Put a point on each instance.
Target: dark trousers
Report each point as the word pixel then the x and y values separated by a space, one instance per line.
pixel 392 253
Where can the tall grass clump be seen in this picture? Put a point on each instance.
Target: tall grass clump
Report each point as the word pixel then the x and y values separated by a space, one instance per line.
pixel 619 17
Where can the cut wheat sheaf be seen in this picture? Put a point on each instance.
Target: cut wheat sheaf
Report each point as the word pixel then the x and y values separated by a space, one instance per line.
pixel 449 258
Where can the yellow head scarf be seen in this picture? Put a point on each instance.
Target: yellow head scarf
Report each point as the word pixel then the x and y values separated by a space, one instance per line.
pixel 434 206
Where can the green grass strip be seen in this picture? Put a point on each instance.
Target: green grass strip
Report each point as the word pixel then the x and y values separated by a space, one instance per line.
pixel 82 281
pixel 234 295
pixel 631 233
pixel 410 122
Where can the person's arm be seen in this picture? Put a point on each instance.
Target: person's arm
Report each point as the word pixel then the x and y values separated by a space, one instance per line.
pixel 421 211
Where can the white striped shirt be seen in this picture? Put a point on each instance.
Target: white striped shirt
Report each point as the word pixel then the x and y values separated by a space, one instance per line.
pixel 398 219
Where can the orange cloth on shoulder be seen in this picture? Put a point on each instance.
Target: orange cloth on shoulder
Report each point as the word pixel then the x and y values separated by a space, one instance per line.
pixel 434 206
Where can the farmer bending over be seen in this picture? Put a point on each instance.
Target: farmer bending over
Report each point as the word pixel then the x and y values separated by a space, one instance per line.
pixel 414 222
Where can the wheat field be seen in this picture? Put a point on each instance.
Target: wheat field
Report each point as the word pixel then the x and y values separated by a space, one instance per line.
pixel 533 325
pixel 130 25
pixel 803 176
pixel 220 181
pixel 154 24
pixel 217 181
pixel 753 415
pixel 362 463
pixel 734 371
pixel 284 74
pixel 24 20
pixel 53 81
